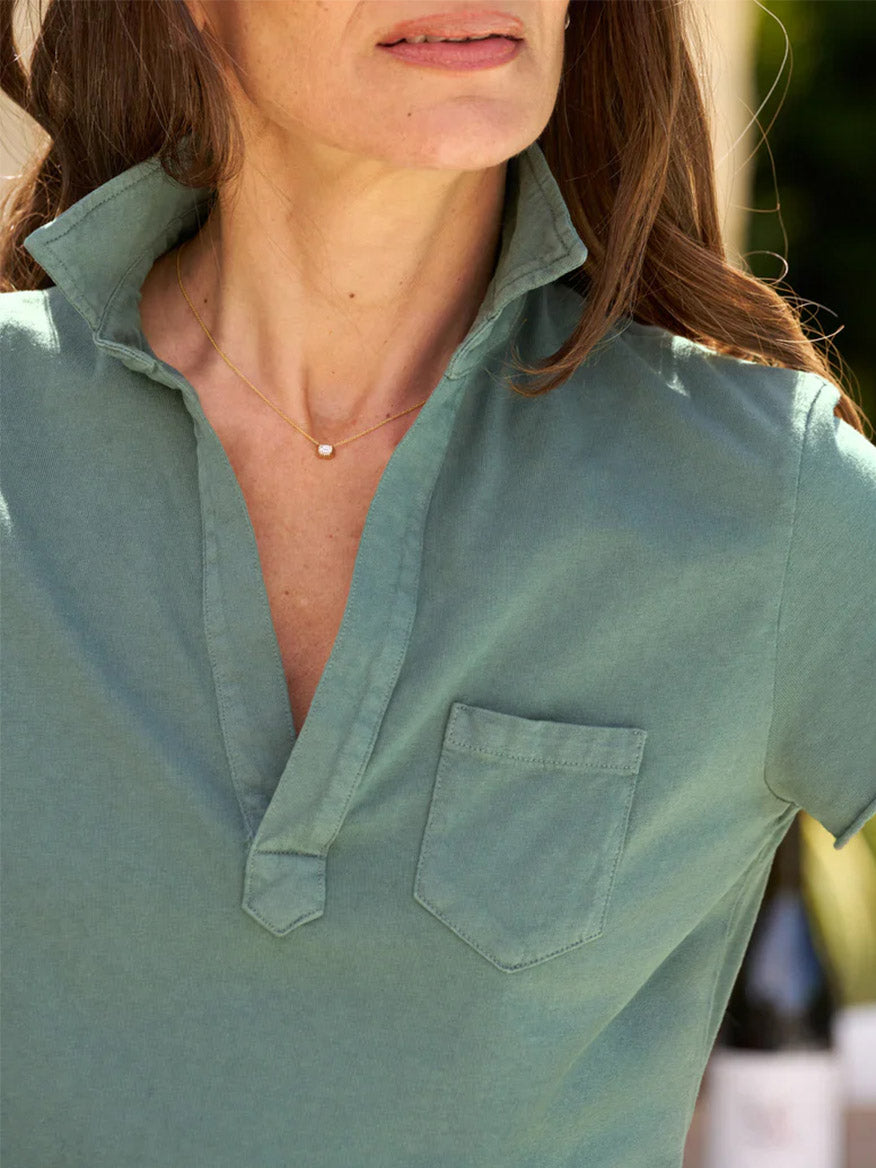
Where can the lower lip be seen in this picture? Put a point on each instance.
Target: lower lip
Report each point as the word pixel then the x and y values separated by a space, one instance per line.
pixel 466 55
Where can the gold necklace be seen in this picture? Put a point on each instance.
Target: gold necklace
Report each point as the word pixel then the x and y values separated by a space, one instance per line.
pixel 323 449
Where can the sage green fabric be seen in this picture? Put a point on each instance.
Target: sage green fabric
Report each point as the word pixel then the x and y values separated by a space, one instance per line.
pixel 486 910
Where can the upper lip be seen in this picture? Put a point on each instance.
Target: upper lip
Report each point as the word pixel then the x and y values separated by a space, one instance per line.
pixel 482 22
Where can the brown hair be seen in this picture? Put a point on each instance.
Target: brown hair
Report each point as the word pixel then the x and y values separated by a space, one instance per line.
pixel 628 142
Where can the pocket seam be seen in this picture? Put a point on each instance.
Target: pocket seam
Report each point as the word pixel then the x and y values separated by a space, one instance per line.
pixel 428 843
pixel 498 734
pixel 419 895
pixel 630 769
pixel 478 947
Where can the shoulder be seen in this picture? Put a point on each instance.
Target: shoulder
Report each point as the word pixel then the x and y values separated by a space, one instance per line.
pixel 38 316
pixel 49 387
pixel 46 345
pixel 24 318
pixel 39 324
pixel 707 435
pixel 738 411
pixel 781 418
pixel 695 381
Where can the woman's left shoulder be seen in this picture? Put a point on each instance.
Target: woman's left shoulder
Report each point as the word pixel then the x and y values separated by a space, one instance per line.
pixel 755 408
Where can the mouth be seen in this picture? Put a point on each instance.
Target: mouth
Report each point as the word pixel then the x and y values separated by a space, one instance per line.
pixel 459 27
pixel 419 40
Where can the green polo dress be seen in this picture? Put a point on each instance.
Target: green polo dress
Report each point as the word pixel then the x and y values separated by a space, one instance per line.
pixel 486 909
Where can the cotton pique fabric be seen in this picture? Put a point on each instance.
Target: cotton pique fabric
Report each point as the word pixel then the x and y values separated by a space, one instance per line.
pixel 486 909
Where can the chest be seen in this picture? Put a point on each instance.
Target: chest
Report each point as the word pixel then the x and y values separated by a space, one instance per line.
pixel 307 533
pixel 307 579
pixel 308 516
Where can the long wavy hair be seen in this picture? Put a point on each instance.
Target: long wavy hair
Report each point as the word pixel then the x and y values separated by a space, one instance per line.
pixel 628 143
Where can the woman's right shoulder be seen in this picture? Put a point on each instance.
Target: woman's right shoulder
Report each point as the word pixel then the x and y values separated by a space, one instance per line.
pixel 47 362
pixel 30 330
pixel 25 316
pixel 42 340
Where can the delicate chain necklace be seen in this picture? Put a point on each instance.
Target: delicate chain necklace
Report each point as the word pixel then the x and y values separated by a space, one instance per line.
pixel 323 449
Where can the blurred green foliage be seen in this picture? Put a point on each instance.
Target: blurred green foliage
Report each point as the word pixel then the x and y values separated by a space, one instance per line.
pixel 823 145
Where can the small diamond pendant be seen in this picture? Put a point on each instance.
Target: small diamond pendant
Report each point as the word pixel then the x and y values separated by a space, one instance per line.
pixel 325 450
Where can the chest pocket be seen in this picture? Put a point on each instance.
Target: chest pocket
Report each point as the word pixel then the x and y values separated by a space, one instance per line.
pixel 525 830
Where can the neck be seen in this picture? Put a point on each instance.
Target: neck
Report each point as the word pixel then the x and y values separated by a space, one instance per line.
pixel 340 291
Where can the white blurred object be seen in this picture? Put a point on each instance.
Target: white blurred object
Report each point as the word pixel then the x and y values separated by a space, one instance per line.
pixel 774 1109
pixel 855 1036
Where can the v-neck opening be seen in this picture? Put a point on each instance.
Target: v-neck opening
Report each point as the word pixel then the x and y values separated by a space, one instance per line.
pixel 285 872
pixel 294 786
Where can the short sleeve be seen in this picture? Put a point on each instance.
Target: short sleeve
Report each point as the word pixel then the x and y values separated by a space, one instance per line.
pixel 821 753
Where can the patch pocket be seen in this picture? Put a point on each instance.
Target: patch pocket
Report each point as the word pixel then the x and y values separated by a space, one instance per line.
pixel 525 829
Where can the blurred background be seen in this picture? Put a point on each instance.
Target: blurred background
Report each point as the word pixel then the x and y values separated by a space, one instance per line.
pixel 793 90
pixel 794 100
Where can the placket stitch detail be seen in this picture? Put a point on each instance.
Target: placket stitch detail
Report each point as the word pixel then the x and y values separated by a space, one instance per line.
pixel 285 879
pixel 247 669
pixel 251 694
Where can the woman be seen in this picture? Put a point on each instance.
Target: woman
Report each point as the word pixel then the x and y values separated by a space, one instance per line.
pixel 396 752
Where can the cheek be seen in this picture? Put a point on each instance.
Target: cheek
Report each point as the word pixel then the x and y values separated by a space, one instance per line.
pixel 273 76
pixel 274 50
pixel 311 77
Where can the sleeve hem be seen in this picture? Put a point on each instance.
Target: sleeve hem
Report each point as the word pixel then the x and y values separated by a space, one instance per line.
pixel 855 826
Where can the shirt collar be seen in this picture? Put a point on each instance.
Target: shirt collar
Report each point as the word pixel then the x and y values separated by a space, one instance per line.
pixel 99 251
